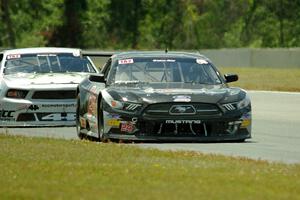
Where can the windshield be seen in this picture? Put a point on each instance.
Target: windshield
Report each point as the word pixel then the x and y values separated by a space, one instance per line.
pixel 137 70
pixel 45 63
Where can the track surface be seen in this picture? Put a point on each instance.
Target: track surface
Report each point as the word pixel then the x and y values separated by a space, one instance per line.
pixel 275 131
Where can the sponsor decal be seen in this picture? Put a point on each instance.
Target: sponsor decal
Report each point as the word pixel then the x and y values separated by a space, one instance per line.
pixel 6 114
pixel 182 98
pixel 246 120
pixel 46 54
pixel 33 107
pixel 13 56
pixel 201 61
pixel 113 122
pixel 245 123
pixel 127 127
pixel 58 105
pixel 82 122
pixel 125 61
pixel 164 60
pixel 112 115
pixel 183 121
pixel 91 105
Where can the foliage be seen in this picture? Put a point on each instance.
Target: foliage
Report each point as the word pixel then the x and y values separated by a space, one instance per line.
pixel 150 24
pixel 41 168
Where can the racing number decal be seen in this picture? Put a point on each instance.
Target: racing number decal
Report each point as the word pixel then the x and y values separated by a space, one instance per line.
pixel 60 117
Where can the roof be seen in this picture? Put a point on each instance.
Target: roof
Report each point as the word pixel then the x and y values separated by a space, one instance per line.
pixel 176 54
pixel 42 50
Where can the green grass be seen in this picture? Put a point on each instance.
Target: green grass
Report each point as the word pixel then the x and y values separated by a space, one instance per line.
pixel 275 79
pixel 41 168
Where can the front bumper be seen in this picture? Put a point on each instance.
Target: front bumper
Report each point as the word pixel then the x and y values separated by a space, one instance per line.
pixel 22 112
pixel 222 128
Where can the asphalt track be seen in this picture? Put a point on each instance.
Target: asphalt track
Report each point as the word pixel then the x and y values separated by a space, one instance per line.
pixel 275 131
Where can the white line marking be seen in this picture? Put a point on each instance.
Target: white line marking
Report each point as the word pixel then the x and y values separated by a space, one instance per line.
pixel 272 92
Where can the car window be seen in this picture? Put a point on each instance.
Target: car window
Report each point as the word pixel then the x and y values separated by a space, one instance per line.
pixel 45 63
pixel 106 68
pixel 164 70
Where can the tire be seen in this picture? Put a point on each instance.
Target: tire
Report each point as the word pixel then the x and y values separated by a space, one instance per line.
pixel 78 127
pixel 241 140
pixel 101 135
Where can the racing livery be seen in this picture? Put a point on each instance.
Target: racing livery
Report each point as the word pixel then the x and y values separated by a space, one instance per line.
pixel 158 96
pixel 38 85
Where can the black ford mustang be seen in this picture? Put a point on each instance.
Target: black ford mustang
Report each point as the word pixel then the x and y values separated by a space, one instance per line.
pixel 159 96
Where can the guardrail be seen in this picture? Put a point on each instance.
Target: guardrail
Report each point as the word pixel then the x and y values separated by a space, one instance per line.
pixel 244 57
pixel 247 57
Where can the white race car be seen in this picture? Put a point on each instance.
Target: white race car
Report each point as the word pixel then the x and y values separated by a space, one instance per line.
pixel 38 86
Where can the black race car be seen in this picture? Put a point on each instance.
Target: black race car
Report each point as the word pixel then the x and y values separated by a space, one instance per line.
pixel 162 96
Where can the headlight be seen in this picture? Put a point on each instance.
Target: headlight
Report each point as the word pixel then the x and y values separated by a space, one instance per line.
pixel 17 94
pixel 116 104
pixel 120 105
pixel 237 105
pixel 244 103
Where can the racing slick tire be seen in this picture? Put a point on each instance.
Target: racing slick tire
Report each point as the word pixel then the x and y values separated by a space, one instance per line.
pixel 78 127
pixel 101 135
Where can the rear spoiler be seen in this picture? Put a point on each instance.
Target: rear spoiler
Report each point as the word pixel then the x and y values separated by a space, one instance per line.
pixel 97 53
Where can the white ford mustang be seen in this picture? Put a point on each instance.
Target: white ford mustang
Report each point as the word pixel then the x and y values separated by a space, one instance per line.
pixel 38 85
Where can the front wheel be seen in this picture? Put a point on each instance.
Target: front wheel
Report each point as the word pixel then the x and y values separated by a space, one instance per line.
pixel 101 135
pixel 78 126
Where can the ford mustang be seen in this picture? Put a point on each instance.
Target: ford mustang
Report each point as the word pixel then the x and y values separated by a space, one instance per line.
pixel 38 85
pixel 162 96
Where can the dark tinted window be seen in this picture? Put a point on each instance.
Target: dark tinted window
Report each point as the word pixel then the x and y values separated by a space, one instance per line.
pixel 45 63
pixel 164 70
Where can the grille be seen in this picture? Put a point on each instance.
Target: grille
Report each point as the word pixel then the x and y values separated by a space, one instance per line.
pixel 56 94
pixel 205 129
pixel 26 117
pixel 169 130
pixel 164 109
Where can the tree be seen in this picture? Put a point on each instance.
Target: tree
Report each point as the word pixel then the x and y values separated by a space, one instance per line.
pixel 162 25
pixel 124 21
pixel 6 18
pixel 150 24
pixel 70 33
pixel 95 34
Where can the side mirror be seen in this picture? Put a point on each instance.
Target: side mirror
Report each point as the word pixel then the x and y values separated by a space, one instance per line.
pixel 97 78
pixel 231 77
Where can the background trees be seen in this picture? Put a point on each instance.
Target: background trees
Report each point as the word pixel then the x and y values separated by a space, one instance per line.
pixel 150 24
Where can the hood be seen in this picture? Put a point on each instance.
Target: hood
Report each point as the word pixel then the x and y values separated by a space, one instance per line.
pixel 176 92
pixel 25 79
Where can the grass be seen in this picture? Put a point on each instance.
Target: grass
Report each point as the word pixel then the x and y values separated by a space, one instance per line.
pixel 274 79
pixel 43 168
